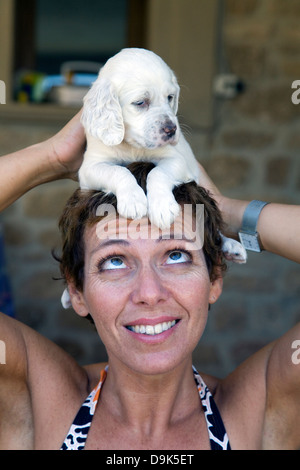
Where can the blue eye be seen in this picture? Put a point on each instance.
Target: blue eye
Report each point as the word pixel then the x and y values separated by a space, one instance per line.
pixel 178 257
pixel 113 263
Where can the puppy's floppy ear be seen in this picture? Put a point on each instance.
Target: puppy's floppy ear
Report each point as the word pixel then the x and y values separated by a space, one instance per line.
pixel 102 113
pixel 176 97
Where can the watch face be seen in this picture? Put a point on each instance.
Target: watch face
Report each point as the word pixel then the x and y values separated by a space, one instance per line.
pixel 250 241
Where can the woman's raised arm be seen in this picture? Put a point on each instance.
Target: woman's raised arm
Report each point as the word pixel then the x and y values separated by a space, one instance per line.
pixel 56 158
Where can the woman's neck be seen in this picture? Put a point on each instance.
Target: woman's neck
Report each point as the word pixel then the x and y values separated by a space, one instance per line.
pixel 150 404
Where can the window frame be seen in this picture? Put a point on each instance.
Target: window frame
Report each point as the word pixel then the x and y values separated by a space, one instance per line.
pixel 168 28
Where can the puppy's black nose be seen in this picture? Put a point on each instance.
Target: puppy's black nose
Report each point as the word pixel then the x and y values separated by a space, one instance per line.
pixel 170 129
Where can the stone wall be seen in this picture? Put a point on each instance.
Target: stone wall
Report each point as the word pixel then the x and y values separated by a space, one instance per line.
pixel 252 152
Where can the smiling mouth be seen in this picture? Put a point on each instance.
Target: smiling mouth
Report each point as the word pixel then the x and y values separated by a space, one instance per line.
pixel 152 329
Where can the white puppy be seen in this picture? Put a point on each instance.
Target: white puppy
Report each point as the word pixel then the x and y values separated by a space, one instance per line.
pixel 129 114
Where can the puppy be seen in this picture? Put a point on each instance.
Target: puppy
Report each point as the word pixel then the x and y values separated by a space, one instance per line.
pixel 129 114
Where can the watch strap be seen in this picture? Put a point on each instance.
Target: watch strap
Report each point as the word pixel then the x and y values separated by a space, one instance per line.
pixel 251 215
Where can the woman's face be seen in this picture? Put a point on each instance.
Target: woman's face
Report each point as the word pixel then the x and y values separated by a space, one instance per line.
pixel 148 295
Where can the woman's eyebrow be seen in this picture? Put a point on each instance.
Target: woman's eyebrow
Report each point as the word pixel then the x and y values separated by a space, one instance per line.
pixel 175 236
pixel 123 242
pixel 110 242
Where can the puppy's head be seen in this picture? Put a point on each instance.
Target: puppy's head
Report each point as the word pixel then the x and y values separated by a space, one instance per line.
pixel 135 99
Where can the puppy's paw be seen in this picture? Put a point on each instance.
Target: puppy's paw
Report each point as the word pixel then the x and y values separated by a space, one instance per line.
pixel 162 210
pixel 132 204
pixel 233 250
pixel 65 299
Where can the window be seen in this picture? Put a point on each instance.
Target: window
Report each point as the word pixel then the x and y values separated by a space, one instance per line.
pixel 81 30
pixel 42 34
pixel 38 36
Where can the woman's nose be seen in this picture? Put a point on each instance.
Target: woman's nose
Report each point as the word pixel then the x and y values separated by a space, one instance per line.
pixel 149 289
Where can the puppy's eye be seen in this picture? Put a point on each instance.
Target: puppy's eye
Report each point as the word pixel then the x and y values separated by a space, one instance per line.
pixel 170 98
pixel 141 103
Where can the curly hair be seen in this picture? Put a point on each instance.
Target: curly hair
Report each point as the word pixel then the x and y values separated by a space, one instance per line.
pixel 80 212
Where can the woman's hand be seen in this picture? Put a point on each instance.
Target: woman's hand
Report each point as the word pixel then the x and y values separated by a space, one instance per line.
pixel 66 149
pixel 56 158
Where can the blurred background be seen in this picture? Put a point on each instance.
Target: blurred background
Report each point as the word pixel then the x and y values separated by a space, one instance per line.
pixel 236 61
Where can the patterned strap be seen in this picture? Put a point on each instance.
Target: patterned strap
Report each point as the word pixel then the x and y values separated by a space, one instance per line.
pixel 78 432
pixel 216 430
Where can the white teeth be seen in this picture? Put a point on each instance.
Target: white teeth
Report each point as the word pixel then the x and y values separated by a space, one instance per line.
pixel 149 330
pixel 152 330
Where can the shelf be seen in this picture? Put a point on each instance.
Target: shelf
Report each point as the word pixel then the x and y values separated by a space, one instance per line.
pixel 45 113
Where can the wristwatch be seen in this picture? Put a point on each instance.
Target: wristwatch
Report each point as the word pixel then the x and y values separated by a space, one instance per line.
pixel 248 235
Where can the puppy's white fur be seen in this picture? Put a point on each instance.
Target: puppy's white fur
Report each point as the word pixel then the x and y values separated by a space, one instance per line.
pixel 129 114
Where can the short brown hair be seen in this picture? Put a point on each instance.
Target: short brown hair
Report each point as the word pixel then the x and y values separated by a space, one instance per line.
pixel 80 212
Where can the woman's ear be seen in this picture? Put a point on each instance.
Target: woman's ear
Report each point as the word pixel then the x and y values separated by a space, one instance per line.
pixel 77 300
pixel 216 288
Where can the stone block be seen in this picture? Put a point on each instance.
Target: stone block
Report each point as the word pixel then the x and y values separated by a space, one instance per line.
pixel 70 320
pixel 206 354
pixel 72 347
pixel 293 142
pixel 50 238
pixel 47 200
pixel 278 171
pixel 41 286
pixel 228 171
pixel 287 9
pixel 251 283
pixel 247 61
pixel 230 314
pixel 247 32
pixel 241 8
pixel 242 350
pixel 248 139
pixel 15 234
pixel 291 280
pixel 271 104
pixel 298 180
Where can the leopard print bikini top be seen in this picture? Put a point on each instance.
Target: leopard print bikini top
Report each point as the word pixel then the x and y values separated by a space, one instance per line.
pixel 77 435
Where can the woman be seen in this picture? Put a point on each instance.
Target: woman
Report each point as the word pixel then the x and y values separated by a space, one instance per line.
pixel 148 297
pixel 148 293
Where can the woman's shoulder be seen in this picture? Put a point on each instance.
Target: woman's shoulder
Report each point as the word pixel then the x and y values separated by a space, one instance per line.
pixel 247 382
pixel 241 398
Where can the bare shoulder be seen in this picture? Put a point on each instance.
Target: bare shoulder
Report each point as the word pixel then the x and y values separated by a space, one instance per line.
pixel 32 358
pixel 283 393
pixel 32 355
pixel 241 400
pixel 35 379
pixel 251 402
